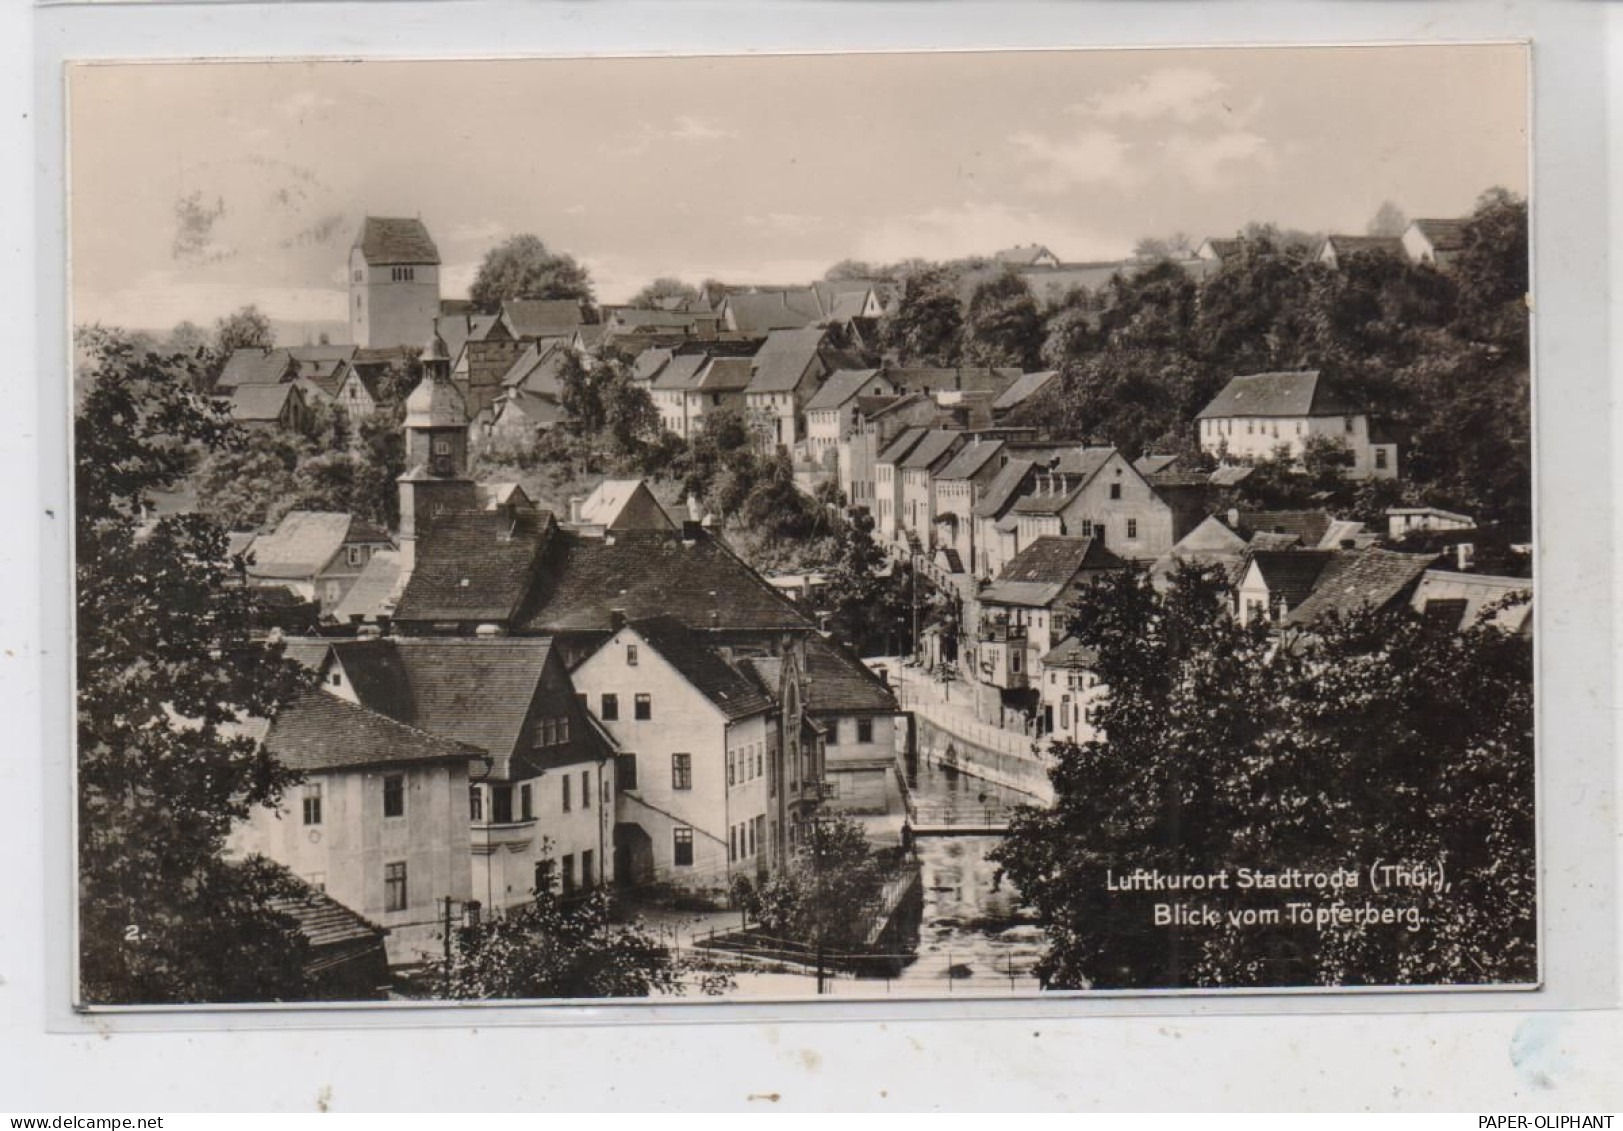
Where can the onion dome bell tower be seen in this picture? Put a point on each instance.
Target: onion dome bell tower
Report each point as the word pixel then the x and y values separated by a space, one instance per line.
pixel 436 427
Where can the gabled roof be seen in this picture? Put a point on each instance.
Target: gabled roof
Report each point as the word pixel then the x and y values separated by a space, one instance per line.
pixel 1072 472
pixel 1225 246
pixel 261 403
pixel 538 369
pixel 305 541
pixel 649 363
pixel 837 681
pixel 644 573
pixel 324 922
pixel 624 504
pixel 542 317
pixel 1461 597
pixel 1309 526
pixel 1290 574
pixel 1037 575
pixel 476 691
pixel 322 364
pixel 963 378
pixel 1298 393
pixel 386 240
pixel 773 310
pixel 841 386
pixel 1070 654
pixel 318 732
pixel 373 593
pixel 1350 245
pixel 1023 256
pixel 522 406
pixel 460 329
pixel 971 459
pixel 782 361
pixel 724 375
pixel 681 372
pixel 1003 488
pixel 474 566
pixel 1025 386
pixel 1443 235
pixel 934 448
pixel 732 692
pixel 905 441
pixel 1148 464
pixel 1356 579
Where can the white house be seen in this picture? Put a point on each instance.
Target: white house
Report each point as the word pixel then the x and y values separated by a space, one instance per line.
pixel 700 761
pixel 1436 242
pixel 1071 692
pixel 1407 520
pixel 1257 413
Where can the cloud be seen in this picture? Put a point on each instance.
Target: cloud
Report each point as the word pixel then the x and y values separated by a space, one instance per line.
pixel 784 223
pixel 1211 160
pixel 1181 94
pixel 1091 156
pixel 692 128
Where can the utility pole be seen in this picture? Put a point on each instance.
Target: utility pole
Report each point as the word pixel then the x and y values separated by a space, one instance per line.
pixel 817 866
pixel 447 902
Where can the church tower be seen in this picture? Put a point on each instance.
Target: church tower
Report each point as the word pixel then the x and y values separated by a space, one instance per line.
pixel 436 478
pixel 394 283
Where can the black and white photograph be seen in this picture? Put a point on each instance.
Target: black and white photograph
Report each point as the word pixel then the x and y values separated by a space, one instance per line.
pixel 933 525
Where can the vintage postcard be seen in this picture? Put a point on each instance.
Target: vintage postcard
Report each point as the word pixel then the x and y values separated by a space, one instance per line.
pixel 803 527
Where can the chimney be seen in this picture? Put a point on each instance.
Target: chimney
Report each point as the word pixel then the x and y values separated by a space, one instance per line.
pixel 1234 517
pixel 575 503
pixel 617 619
pixel 384 620
pixel 690 532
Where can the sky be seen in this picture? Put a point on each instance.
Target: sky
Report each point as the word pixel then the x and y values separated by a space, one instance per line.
pixel 198 188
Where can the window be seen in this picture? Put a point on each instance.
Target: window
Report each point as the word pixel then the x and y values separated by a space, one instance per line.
pixel 625 770
pixel 1132 528
pixel 569 875
pixel 1380 459
pixel 442 447
pixel 526 806
pixel 476 803
pixel 357 274
pixel 1087 528
pixel 760 748
pixel 312 804
pixel 644 706
pixel 631 655
pixel 588 870
pixel 732 844
pixel 1014 660
pixel 610 710
pixel 501 804
pixel 1115 490
pixel 566 792
pixel 1348 423
pixel 1065 712
pixel 732 767
pixel 864 730
pixel 354 555
pixel 682 846
pixel 681 771
pixel 586 789
pixel 394 886
pixel 749 828
pixel 394 796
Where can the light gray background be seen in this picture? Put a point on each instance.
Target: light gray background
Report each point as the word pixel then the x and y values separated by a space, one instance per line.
pixel 1478 1051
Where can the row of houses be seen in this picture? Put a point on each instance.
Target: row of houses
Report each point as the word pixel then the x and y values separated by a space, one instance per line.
pixel 526 700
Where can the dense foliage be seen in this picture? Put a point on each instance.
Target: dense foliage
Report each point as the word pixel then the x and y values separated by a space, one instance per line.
pixel 828 894
pixel 167 673
pixel 522 267
pixel 1379 738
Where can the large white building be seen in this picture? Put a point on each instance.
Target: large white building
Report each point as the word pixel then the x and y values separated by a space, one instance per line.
pixel 1258 413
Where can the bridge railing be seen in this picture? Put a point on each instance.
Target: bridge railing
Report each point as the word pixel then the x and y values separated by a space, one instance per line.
pixel 995 816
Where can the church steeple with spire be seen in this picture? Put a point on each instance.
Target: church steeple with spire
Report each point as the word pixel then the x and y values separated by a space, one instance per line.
pixel 436 428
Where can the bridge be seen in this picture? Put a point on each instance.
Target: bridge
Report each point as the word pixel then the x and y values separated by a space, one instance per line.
pixel 957 820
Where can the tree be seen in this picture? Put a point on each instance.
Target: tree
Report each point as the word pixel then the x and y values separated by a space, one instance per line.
pixel 1376 738
pixel 869 595
pixel 522 267
pixel 247 480
pixel 167 672
pixel 664 293
pixel 554 948
pixel 1493 271
pixel 924 328
pixel 1176 246
pixel 1388 220
pixel 246 329
pixel 827 896
pixel 1003 325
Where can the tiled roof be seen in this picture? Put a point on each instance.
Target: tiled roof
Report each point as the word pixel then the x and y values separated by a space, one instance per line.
pixel 904 442
pixel 459 330
pixel 647 573
pixel 1148 464
pixel 476 691
pixel 724 375
pixel 474 566
pixel 317 732
pixel 681 372
pixel 1350 245
pixel 1290 574
pixel 965 378
pixel 1300 393
pixel 1025 386
pixel 774 310
pixel 841 386
pixel 1074 469
pixel 1039 573
pixel 649 362
pixel 538 369
pixel 1309 526
pixel 971 459
pixel 1463 596
pixel 730 690
pixel 260 402
pixel 307 651
pixel 609 501
pixel 783 359
pixel 1230 475
pixel 1069 653
pixel 1443 235
pixel 1005 485
pixel 1022 256
pixel 536 409
pixel 688 321
pixel 374 591
pixel 1356 579
pixel 323 921
pixel 936 446
pixel 301 545
pixel 386 239
pixel 837 681
pixel 542 317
